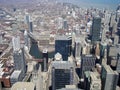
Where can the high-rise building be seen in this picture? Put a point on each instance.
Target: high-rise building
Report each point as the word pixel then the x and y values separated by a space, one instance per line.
pixel 16 76
pixel 60 22
pixel 87 80
pixel 19 61
pixel 118 25
pixel 45 59
pixel 62 74
pixel 92 81
pixel 16 43
pixel 87 64
pixel 26 38
pixel 27 19
pixel 37 79
pixel 97 50
pixel 118 63
pixel 63 46
pixel 18 56
pixel 65 25
pixel 116 39
pixel 78 48
pixel 109 78
pixel 103 46
pixel 95 83
pixel 96 29
pixel 1 40
pixel 31 26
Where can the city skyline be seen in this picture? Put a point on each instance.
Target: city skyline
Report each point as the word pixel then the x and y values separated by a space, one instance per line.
pixel 59 45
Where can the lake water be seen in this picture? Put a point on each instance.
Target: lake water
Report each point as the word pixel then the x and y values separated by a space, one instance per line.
pixel 109 4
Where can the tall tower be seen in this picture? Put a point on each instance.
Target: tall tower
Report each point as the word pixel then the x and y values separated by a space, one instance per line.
pixel 16 43
pixel 62 74
pixel 77 49
pixel 109 78
pixel 31 26
pixel 26 38
pixel 1 38
pixel 65 25
pixel 87 64
pixel 27 19
pixel 118 63
pixel 19 61
pixel 18 55
pixel 96 29
pixel 63 46
pixel 45 59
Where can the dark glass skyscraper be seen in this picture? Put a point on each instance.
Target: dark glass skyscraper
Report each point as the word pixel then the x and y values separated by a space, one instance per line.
pixel 96 29
pixel 30 26
pixel 62 74
pixel 63 46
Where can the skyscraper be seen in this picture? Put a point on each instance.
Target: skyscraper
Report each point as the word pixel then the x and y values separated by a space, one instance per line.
pixel 62 74
pixel 92 81
pixel 96 29
pixel 65 25
pixel 95 83
pixel 45 59
pixel 31 26
pixel 27 19
pixel 87 80
pixel 1 38
pixel 18 56
pixel 26 38
pixel 78 48
pixel 19 61
pixel 103 46
pixel 118 25
pixel 63 46
pixel 87 64
pixel 109 78
pixel 118 63
pixel 16 43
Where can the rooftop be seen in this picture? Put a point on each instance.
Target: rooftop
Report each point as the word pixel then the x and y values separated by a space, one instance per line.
pixel 62 64
pixel 62 37
pixel 15 74
pixel 23 86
